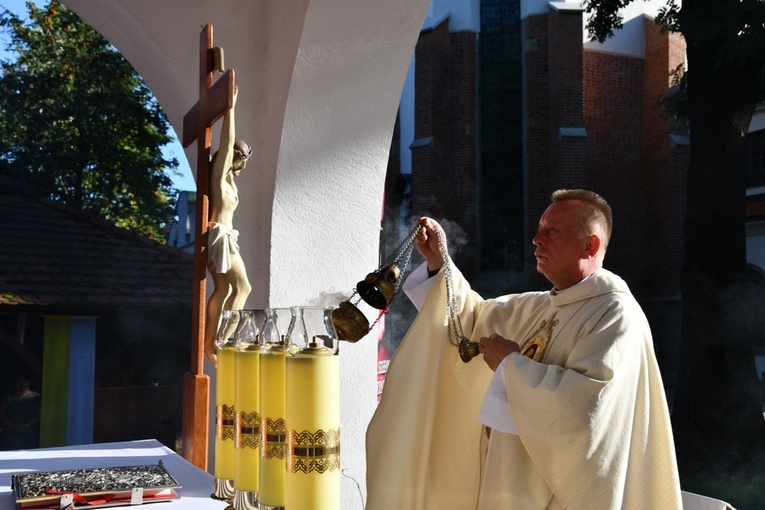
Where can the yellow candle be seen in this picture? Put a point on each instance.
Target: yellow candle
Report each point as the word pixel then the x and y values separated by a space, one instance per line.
pixel 313 419
pixel 225 414
pixel 247 401
pixel 273 429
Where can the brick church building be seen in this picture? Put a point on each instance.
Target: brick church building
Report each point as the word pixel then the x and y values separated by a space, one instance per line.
pixel 508 100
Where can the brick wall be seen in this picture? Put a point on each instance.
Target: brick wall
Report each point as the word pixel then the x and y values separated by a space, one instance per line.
pixel 628 155
pixel 538 128
pixel 555 100
pixel 444 170
pixel 614 121
pixel 631 154
pixel 665 164
pixel 568 158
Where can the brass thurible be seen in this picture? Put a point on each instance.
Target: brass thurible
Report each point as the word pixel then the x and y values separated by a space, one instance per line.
pixel 377 289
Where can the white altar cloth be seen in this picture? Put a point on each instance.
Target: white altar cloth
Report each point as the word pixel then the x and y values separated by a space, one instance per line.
pixel 197 485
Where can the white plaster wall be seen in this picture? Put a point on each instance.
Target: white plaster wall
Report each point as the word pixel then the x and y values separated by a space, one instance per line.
pixel 320 82
pixel 339 120
pixel 629 41
pixel 462 15
pixel 755 243
pixel 758 119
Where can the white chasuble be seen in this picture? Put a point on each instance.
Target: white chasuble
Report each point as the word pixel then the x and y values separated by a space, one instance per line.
pixel 587 400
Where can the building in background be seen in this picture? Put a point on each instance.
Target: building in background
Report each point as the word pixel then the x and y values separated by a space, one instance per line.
pixel 182 230
pixel 96 317
pixel 508 100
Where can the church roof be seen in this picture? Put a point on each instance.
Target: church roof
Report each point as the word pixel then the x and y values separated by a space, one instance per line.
pixel 755 208
pixel 56 256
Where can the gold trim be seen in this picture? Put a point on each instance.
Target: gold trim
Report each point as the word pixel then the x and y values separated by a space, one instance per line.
pixel 535 347
pixel 273 451
pixel 314 451
pixel 274 438
pixel 225 419
pixel 277 426
pixel 248 430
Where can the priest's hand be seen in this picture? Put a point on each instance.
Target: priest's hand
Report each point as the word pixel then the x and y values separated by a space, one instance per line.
pixel 427 243
pixel 496 348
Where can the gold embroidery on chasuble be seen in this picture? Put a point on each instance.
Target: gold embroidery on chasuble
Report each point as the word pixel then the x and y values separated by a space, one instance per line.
pixel 535 347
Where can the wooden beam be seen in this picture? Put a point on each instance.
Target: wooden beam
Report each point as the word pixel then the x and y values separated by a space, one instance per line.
pixel 214 101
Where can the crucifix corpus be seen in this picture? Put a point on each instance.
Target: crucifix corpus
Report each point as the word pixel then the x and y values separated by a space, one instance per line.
pixel 214 101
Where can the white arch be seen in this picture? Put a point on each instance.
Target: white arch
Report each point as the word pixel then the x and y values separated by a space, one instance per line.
pixel 320 82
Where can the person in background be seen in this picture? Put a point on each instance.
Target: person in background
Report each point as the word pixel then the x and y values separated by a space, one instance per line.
pixel 20 416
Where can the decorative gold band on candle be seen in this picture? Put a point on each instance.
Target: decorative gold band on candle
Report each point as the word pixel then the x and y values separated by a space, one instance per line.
pixel 313 416
pixel 248 425
pixel 274 439
pixel 318 451
pixel 273 429
pixel 225 420
pixel 247 397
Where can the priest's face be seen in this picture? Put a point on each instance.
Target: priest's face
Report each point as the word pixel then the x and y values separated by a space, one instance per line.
pixel 561 245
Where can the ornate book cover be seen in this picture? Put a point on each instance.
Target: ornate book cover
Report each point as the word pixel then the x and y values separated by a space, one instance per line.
pixel 94 488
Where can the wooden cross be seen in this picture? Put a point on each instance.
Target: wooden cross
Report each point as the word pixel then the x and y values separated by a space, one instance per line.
pixel 214 101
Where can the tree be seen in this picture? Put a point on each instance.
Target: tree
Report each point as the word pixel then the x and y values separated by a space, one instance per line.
pixel 717 414
pixel 79 121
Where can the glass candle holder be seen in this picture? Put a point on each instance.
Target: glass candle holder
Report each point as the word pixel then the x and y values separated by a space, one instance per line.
pixel 225 410
pixel 313 414
pixel 273 428
pixel 249 347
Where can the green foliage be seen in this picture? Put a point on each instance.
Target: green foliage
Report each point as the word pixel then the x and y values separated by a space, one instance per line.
pixel 604 17
pixel 674 104
pixel 733 30
pixel 717 414
pixel 76 119
pixel 668 17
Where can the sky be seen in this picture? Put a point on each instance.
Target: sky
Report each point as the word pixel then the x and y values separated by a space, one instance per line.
pixel 184 182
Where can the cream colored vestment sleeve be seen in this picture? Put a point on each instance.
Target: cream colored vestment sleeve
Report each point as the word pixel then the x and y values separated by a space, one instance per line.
pixel 592 418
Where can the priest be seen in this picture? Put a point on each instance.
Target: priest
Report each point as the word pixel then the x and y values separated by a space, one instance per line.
pixel 564 409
